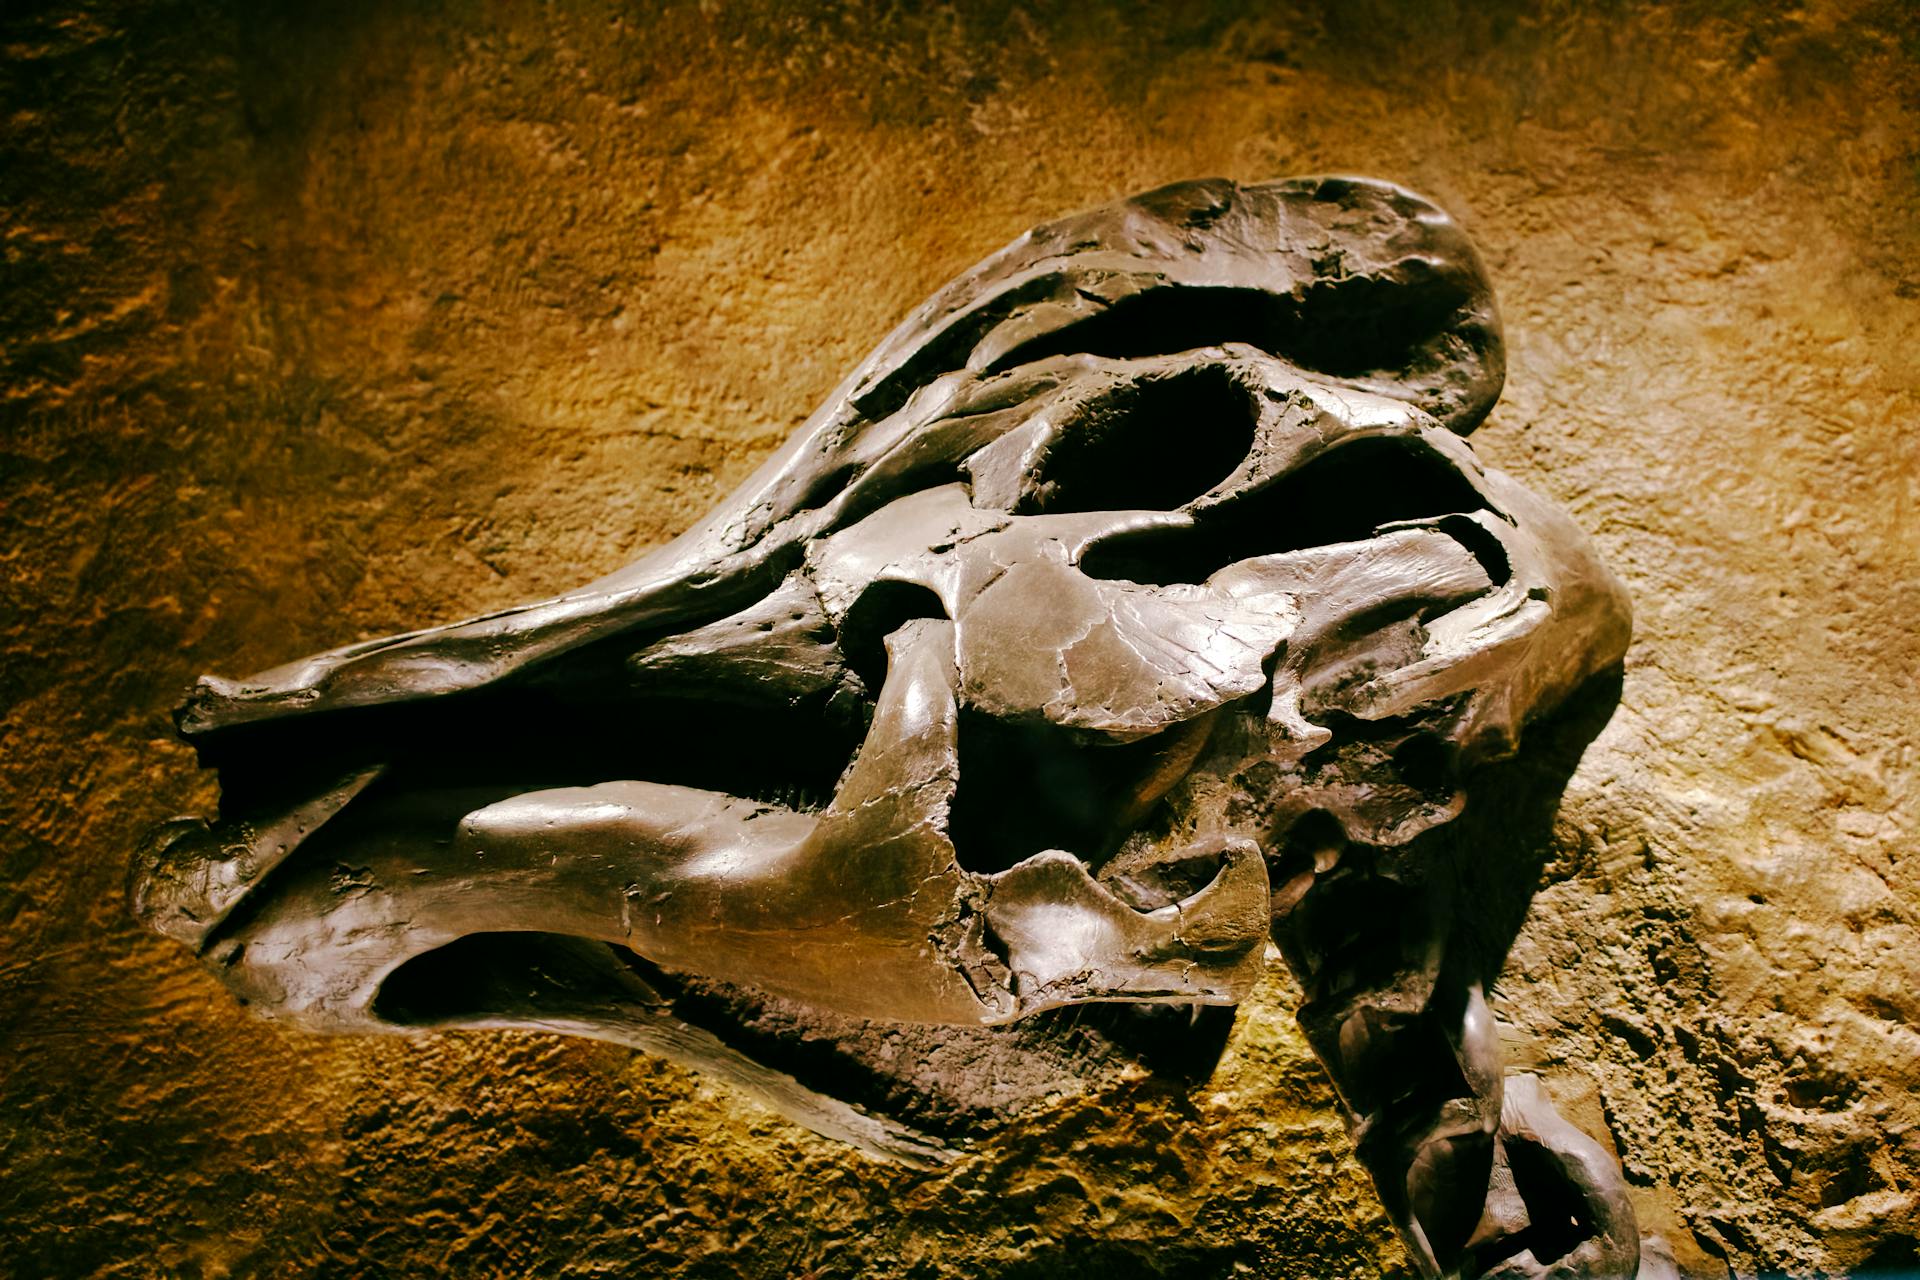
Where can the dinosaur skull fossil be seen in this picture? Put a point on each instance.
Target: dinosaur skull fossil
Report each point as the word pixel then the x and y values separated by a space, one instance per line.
pixel 1009 683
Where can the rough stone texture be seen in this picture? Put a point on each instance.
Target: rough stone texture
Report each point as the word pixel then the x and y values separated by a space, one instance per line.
pixel 325 320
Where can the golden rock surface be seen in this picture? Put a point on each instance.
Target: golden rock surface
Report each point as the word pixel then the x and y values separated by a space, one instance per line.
pixel 320 320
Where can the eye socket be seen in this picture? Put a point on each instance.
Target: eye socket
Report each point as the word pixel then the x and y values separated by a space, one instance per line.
pixel 1153 445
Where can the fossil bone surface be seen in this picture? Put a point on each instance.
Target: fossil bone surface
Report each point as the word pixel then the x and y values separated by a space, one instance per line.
pixel 1136 603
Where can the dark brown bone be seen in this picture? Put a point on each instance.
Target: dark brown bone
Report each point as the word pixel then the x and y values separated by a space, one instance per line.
pixel 1170 503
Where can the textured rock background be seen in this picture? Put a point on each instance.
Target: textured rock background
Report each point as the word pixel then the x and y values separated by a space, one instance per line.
pixel 327 320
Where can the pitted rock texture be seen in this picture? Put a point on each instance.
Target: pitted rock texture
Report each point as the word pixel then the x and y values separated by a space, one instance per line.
pixel 331 319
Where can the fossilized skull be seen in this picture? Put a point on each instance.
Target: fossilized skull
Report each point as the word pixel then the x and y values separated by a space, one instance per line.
pixel 1137 600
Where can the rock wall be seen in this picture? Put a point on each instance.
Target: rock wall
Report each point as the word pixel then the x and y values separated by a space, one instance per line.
pixel 324 320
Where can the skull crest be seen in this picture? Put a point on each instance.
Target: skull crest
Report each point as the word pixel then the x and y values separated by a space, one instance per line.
pixel 1137 601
